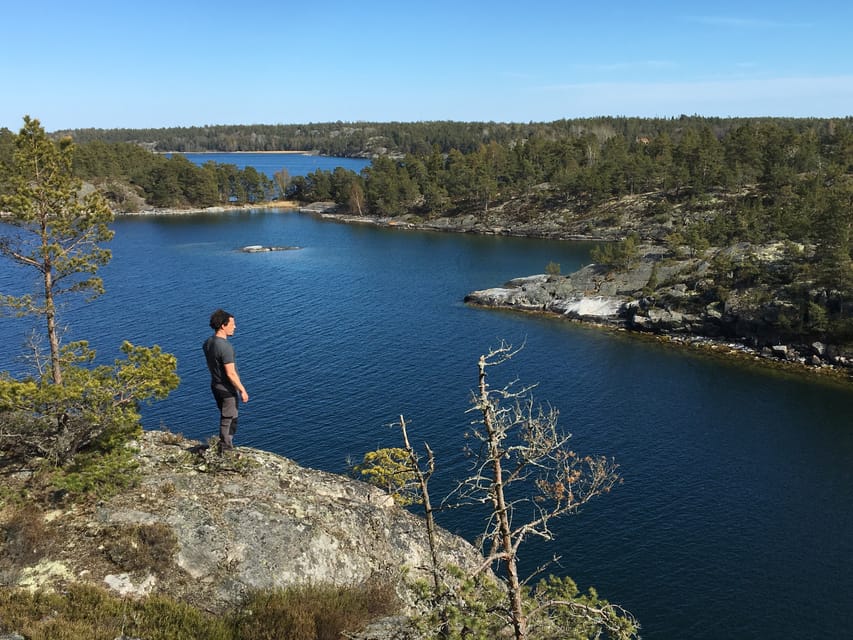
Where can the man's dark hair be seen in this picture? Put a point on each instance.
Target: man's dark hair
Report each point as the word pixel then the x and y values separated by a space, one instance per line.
pixel 218 318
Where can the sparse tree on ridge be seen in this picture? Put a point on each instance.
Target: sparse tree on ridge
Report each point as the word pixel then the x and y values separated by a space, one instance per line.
pixel 527 477
pixel 521 444
pixel 53 229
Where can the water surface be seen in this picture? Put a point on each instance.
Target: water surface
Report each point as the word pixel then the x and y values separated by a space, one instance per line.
pixel 734 516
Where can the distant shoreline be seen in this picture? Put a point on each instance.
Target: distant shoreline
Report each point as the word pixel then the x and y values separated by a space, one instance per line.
pixel 223 208
pixel 199 153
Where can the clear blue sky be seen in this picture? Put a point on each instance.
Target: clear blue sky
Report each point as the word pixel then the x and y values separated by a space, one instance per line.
pixel 179 63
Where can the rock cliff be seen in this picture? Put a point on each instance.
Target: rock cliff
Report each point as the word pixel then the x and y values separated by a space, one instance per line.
pixel 256 522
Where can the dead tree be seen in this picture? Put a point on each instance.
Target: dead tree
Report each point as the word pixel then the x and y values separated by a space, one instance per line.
pixel 527 476
pixel 521 445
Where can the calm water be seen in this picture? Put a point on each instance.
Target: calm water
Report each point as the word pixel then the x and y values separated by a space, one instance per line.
pixel 297 164
pixel 734 518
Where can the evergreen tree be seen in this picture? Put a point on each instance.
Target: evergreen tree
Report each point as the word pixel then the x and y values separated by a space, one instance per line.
pixel 834 233
pixel 53 229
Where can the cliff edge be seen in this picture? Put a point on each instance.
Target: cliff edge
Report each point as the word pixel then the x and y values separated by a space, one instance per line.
pixel 213 529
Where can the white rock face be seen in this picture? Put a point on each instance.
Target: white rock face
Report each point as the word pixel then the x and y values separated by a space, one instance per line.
pixel 594 307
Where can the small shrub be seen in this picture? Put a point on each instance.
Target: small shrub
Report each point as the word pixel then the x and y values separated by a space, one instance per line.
pixel 24 539
pixel 390 469
pixel 209 460
pixel 142 548
pixel 652 283
pixel 100 473
pixel 314 612
pixel 168 489
pixel 552 268
pixel 86 612
pixel 168 437
pixel 616 255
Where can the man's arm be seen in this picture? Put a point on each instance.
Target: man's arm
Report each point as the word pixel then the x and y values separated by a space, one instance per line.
pixel 234 378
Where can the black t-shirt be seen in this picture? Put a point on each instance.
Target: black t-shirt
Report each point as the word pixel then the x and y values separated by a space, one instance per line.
pixel 218 352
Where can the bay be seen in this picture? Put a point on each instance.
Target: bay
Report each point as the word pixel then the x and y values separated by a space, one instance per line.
pixel 734 517
pixel 268 163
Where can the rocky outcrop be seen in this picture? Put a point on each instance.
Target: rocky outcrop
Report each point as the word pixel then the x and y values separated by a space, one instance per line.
pixel 541 214
pixel 678 299
pixel 259 248
pixel 260 521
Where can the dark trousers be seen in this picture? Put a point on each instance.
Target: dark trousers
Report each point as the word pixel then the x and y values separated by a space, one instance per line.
pixel 226 401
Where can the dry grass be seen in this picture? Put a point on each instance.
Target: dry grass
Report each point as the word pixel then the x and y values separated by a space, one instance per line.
pixel 145 548
pixel 86 612
pixel 314 612
pixel 25 538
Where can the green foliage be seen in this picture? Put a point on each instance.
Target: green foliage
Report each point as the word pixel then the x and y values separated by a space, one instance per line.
pixel 652 283
pixel 696 238
pixel 472 611
pixel 616 255
pixel 177 182
pixel 68 407
pixel 552 268
pixel 559 611
pixel 171 181
pixel 51 228
pixel 555 607
pixel 99 472
pixel 816 318
pixel 390 469
pixel 94 412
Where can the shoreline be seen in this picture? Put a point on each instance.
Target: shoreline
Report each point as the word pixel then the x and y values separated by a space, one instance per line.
pixel 725 350
pixel 187 153
pixel 698 344
pixel 222 208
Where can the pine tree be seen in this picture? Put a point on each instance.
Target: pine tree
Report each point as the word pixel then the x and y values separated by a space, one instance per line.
pixel 52 228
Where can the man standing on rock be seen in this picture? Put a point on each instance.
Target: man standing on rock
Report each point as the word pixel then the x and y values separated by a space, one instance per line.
pixel 224 380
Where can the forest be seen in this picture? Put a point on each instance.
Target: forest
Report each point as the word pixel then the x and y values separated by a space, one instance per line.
pixel 714 181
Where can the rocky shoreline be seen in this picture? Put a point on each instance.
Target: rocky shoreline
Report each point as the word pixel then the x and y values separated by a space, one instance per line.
pixel 621 300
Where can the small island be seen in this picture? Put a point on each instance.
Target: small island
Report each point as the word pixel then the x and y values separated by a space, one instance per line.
pixel 259 248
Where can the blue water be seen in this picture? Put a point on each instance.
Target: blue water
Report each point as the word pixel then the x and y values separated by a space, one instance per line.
pixel 734 518
pixel 297 164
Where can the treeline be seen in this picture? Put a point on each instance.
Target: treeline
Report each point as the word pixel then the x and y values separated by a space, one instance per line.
pixel 756 181
pixel 705 181
pixel 335 139
pixel 368 139
pixel 132 177
pixel 787 180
